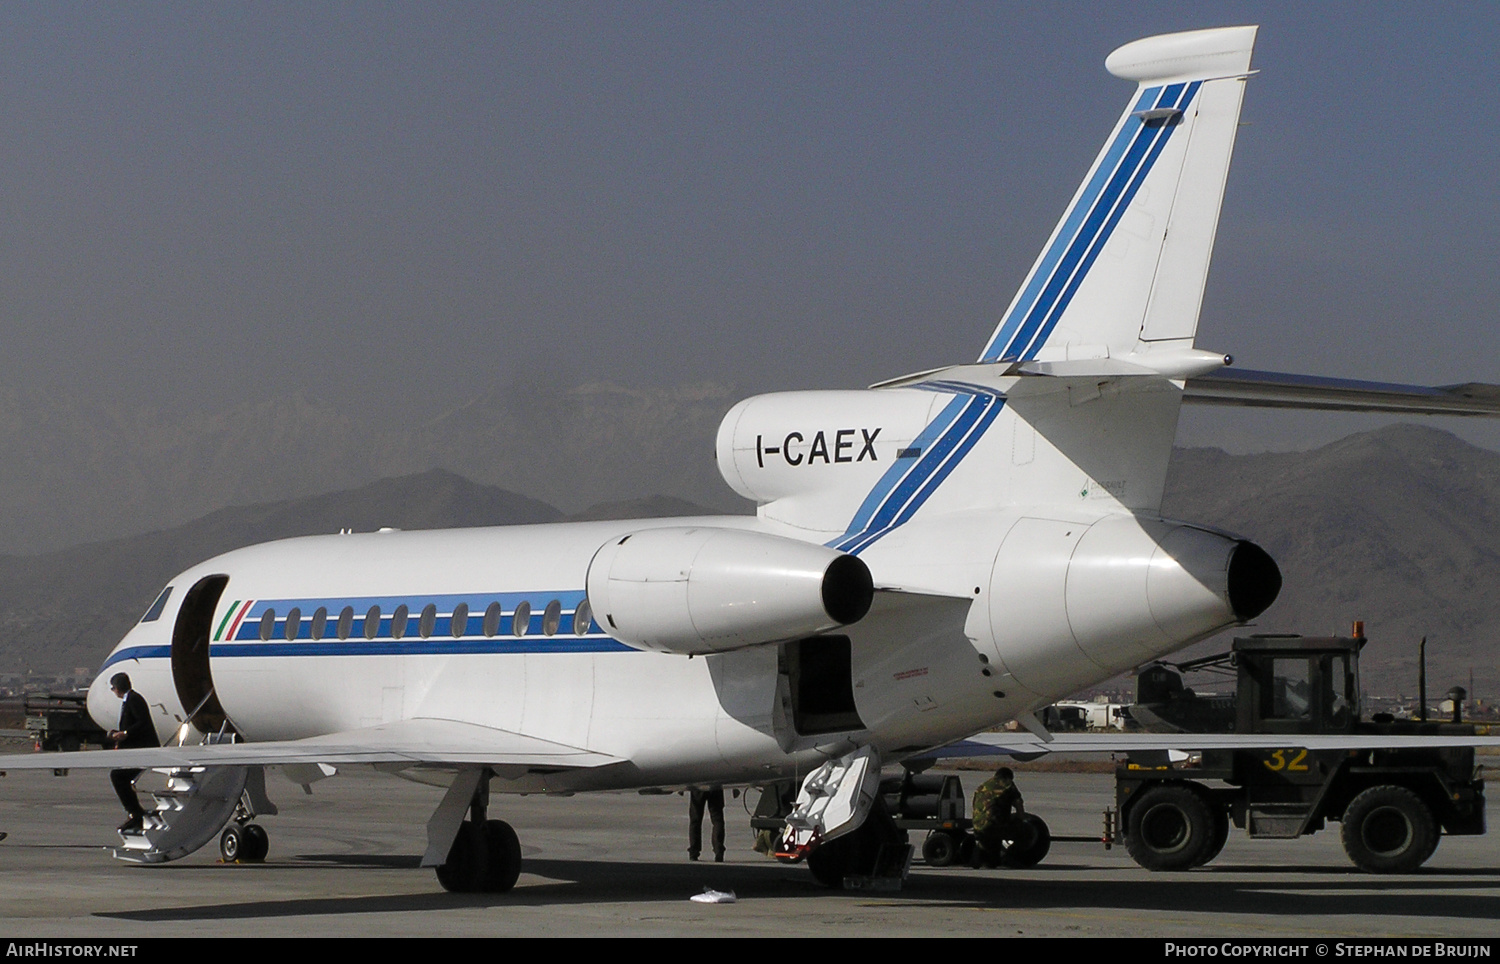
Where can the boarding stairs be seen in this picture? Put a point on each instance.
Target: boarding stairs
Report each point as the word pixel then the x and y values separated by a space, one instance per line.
pixel 834 800
pixel 195 805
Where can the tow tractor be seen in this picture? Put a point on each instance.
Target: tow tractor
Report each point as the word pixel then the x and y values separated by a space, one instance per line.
pixel 61 721
pixel 1393 804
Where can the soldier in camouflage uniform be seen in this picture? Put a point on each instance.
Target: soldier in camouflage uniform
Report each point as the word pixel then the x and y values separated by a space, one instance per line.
pixel 997 804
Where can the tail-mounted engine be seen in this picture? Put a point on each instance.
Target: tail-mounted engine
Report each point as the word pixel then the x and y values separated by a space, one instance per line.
pixel 708 590
pixel 1120 590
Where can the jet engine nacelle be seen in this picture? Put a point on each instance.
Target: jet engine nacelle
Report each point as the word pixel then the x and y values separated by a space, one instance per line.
pixel 707 590
pixel 1121 590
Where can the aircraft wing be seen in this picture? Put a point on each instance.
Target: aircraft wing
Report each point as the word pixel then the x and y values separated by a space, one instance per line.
pixel 1028 744
pixel 419 741
pixel 1257 389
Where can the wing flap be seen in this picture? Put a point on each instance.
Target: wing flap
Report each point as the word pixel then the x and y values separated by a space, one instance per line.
pixel 420 741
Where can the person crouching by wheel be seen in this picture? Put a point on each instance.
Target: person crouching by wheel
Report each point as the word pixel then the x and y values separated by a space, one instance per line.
pixel 997 809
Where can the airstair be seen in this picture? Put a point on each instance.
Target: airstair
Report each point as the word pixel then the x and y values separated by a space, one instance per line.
pixel 195 805
pixel 835 800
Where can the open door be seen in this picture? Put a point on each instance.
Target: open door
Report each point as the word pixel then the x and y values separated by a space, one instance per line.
pixel 190 669
pixel 822 685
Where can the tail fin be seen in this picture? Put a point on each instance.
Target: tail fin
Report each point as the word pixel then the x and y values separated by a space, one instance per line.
pixel 1124 270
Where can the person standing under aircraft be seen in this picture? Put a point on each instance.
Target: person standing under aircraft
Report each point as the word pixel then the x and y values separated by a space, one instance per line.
pixel 714 797
pixel 997 804
pixel 135 730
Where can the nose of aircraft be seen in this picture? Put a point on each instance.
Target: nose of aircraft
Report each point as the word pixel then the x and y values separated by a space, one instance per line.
pixel 103 705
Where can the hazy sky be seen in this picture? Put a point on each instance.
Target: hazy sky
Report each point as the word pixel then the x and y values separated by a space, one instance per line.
pixel 392 206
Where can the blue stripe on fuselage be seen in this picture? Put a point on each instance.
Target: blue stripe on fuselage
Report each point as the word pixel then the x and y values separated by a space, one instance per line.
pixel 250 626
pixel 404 647
pixel 905 488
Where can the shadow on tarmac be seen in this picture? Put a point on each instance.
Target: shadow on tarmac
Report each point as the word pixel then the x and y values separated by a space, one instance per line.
pixel 1305 892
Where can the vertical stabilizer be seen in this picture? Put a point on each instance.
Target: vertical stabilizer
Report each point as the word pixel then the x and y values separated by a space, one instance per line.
pixel 1123 271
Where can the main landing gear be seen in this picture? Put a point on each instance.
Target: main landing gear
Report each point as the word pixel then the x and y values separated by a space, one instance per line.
pixel 244 843
pixel 485 856
pixel 876 849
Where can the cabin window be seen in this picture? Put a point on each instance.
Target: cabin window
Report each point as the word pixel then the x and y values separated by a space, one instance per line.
pixel 398 622
pixel 521 621
pixel 583 618
pixel 492 620
pixel 293 623
pixel 372 622
pixel 346 622
pixel 319 622
pixel 154 613
pixel 428 621
pixel 552 618
pixel 267 625
pixel 459 624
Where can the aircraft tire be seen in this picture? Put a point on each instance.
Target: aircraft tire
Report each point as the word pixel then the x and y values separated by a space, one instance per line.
pixel 830 863
pixel 940 849
pixel 1032 843
pixel 257 843
pixel 1169 827
pixel 1388 830
pixel 856 852
pixel 468 861
pixel 504 859
pixel 233 846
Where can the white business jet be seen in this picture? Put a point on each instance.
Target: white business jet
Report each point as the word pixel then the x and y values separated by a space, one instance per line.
pixel 930 557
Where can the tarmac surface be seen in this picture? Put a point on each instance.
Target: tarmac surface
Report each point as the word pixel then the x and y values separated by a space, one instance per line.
pixel 343 862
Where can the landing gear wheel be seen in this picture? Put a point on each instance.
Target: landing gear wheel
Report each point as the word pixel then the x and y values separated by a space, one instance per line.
pixel 1388 830
pixel 856 853
pixel 504 857
pixel 830 863
pixel 467 867
pixel 1033 840
pixel 1169 827
pixel 232 844
pixel 940 849
pixel 256 844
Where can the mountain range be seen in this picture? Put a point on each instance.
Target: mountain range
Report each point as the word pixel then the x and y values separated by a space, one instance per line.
pixel 82 470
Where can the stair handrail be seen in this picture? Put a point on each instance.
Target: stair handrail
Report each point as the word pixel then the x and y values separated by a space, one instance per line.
pixel 182 730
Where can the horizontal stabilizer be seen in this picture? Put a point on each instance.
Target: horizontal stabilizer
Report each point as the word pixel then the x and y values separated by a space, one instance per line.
pixel 1257 389
pixel 437 742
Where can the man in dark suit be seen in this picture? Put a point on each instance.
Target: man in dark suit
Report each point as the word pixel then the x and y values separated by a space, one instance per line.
pixel 136 730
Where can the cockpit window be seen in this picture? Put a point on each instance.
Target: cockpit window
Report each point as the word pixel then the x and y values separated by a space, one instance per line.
pixel 154 613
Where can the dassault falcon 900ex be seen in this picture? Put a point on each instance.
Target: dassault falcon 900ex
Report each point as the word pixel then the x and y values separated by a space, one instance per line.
pixel 929 558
